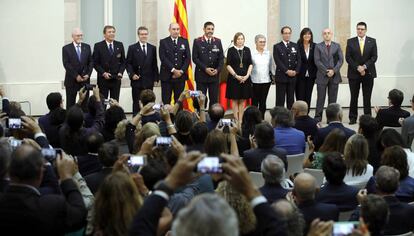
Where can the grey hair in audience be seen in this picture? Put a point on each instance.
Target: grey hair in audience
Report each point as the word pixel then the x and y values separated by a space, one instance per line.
pixel 273 169
pixel 387 179
pixel 289 213
pixel 259 36
pixel 281 116
pixel 207 214
pixel 334 112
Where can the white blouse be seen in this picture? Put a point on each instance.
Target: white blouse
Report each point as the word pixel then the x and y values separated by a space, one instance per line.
pixel 262 66
pixel 359 179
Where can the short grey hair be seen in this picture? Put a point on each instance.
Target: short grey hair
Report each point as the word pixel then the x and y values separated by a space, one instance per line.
pixel 207 214
pixel 289 213
pixel 333 112
pixel 259 36
pixel 273 169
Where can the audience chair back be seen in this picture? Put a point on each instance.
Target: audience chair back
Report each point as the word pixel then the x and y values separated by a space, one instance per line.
pixel 318 174
pixel 295 163
pixel 398 129
pixel 257 178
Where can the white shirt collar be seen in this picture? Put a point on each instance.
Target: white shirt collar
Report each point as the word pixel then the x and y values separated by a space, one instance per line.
pixel 140 43
pixel 107 43
pixel 206 38
pixel 264 51
pixel 363 38
pixel 237 48
pixel 285 42
pixel 75 44
pixel 174 39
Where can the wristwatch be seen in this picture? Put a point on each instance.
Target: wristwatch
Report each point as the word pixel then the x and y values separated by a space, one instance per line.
pixel 162 186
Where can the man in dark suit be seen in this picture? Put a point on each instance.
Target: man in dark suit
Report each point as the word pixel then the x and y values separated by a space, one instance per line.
pixel 265 140
pixel 208 57
pixel 361 55
pixel 273 171
pixel 109 60
pixel 142 67
pixel 78 63
pixel 304 196
pixel 175 59
pixel 328 60
pixel 24 211
pixel 303 121
pixel 89 163
pixel 53 120
pixel 287 58
pixel 334 118
pixel 391 116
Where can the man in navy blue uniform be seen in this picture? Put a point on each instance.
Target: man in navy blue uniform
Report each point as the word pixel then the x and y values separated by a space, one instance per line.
pixel 141 66
pixel 287 59
pixel 208 57
pixel 78 63
pixel 175 58
pixel 109 59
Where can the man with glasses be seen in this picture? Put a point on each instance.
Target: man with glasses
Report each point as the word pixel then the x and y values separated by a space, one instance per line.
pixel 361 55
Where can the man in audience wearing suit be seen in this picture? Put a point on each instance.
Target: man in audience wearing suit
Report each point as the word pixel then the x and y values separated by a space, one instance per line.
pixel 78 63
pixel 407 130
pixel 141 66
pixel 287 58
pixel 328 59
pixel 361 55
pixel 175 58
pixel 208 57
pixel 303 121
pixel 273 171
pixel 391 116
pixel 109 60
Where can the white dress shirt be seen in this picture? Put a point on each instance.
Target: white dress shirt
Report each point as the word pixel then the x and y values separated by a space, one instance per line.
pixel 307 50
pixel 76 45
pixel 142 47
pixel 262 65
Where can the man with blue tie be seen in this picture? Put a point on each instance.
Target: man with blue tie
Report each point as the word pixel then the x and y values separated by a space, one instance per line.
pixel 109 60
pixel 78 63
pixel 141 66
pixel 175 58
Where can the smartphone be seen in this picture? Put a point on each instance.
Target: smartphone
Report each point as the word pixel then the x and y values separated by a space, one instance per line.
pixel 137 160
pixel 225 122
pixel 343 228
pixel 15 143
pixel 194 94
pixel 157 106
pixel 106 102
pixel 163 141
pixel 14 123
pixel 90 86
pixel 50 154
pixel 209 165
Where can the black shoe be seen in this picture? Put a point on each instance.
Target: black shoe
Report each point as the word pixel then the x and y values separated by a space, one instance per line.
pixel 352 122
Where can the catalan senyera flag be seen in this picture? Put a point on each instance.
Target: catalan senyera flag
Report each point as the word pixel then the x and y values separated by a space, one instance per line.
pixel 180 17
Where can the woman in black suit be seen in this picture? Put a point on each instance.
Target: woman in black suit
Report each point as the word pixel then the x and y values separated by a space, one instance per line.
pixel 307 74
pixel 239 85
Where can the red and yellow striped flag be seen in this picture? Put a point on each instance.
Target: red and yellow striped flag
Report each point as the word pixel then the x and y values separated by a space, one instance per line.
pixel 180 17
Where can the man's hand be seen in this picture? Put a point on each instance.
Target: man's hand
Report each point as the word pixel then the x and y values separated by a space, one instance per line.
pixel 119 76
pixel 121 164
pixel 185 94
pixel 330 73
pixel 82 95
pixel 182 173
pixel 291 73
pixel 165 114
pixel 65 166
pixel 360 69
pixel 310 144
pixel 252 140
pixel 210 71
pixel 32 143
pixel 79 79
pixel 362 193
pixel 176 74
pixel 135 77
pixel 201 100
pixel 96 93
pixel 107 75
pixel 31 125
pixel 147 145
pixel 113 103
pixel 147 108
pixel 85 77
pixel 320 228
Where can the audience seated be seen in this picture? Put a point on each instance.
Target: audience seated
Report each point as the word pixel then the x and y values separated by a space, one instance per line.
pixel 289 213
pixel 358 171
pixel 113 115
pixel 407 130
pixel 374 213
pixel 265 141
pixel 52 121
pixel 273 171
pixel 303 121
pixel 148 96
pixel 390 116
pixel 198 135
pixel 335 191
pixel 215 113
pixel 89 163
pixel 368 127
pixel 334 116
pixel 251 117
pixel 120 137
pixel 287 137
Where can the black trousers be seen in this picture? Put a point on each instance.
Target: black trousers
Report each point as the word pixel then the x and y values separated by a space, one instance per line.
pixel 304 88
pixel 168 87
pixel 71 93
pixel 260 92
pixel 112 89
pixel 354 86
pixel 212 88
pixel 136 94
pixel 285 90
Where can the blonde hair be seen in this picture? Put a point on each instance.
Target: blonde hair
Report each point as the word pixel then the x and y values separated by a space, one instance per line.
pixel 356 154
pixel 120 130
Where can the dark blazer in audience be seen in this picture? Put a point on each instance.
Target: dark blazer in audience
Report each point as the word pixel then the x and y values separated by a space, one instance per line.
pixel 343 196
pixel 89 164
pixel 307 125
pixel 95 180
pixel 253 158
pixel 51 131
pixel 23 211
pixel 390 116
pixel 323 132
pixel 312 210
pixel 273 192
pixel 404 193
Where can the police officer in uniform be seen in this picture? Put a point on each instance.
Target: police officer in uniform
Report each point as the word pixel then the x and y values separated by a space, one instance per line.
pixel 175 59
pixel 208 57
pixel 287 59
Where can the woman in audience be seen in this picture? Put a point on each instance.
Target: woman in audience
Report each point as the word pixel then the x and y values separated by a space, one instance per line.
pixel 251 117
pixel 358 171
pixel 334 142
pixel 148 130
pixel 119 137
pixel 183 124
pixel 148 96
pixel 198 134
pixel 218 142
pixel 396 157
pixel 113 116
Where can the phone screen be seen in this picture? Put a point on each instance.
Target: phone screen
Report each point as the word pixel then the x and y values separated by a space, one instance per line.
pixel 163 141
pixel 49 153
pixel 226 122
pixel 344 228
pixel 137 160
pixel 15 123
pixel 209 165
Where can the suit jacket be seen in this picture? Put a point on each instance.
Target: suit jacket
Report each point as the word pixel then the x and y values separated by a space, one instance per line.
pixel 286 59
pixel 307 64
pixel 95 180
pixel 51 131
pixel 104 62
pixel 89 164
pixel 390 116
pixel 253 158
pixel 343 196
pixel 273 192
pixel 323 132
pixel 407 131
pixel 145 66
pixel 307 125
pixel 178 57
pixel 312 210
pixel 23 211
pixel 74 67
pixel 325 61
pixel 354 58
pixel 207 55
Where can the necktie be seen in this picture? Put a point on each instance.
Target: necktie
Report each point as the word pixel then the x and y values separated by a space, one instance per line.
pixel 361 46
pixel 111 49
pixel 78 52
pixel 328 48
pixel 175 42
pixel 209 41
pixel 144 50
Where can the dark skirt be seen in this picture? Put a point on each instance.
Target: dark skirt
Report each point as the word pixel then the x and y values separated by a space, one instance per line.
pixel 236 90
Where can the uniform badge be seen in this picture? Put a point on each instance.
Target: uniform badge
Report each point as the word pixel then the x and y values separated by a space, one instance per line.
pixel 215 49
pixel 118 55
pixel 182 47
pixel 293 50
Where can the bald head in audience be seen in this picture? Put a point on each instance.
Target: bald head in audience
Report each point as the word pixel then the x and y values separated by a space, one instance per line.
pixel 304 187
pixel 299 108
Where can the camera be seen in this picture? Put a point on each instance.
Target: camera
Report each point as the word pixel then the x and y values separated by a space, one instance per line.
pixel 89 86
pixel 137 160
pixel 163 141
pixel 225 122
pixel 50 154
pixel 209 165
pixel 157 106
pixel 344 228
pixel 14 123
pixel 194 94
